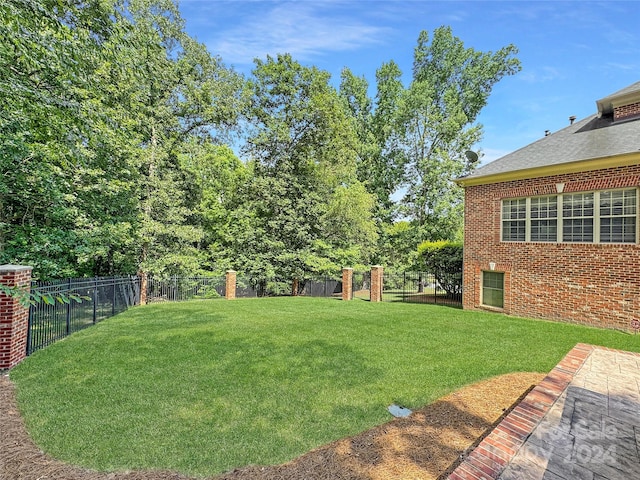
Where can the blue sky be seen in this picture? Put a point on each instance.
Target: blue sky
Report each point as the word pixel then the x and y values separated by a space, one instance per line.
pixel 572 52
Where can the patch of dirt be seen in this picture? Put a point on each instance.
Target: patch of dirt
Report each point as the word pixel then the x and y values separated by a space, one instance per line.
pixel 426 445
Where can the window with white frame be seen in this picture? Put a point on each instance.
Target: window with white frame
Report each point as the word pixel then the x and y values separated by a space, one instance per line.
pixel 514 219
pixel 618 216
pixel 544 219
pixel 493 289
pixel 608 216
pixel 577 217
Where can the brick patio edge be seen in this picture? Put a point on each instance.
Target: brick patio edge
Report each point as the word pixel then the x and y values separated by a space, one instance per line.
pixel 492 455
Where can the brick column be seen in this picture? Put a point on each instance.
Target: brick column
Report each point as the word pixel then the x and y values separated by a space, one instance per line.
pixel 230 286
pixel 144 282
pixel 14 317
pixel 347 283
pixel 376 284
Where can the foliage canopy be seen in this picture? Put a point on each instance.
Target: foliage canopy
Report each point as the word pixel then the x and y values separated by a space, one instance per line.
pixel 444 259
pixel 126 146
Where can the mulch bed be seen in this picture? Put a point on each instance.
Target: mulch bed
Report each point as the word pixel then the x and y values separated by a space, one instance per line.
pixel 426 445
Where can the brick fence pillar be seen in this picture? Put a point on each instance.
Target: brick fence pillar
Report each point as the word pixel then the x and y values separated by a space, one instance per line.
pixel 347 283
pixel 14 317
pixel 144 283
pixel 376 284
pixel 230 285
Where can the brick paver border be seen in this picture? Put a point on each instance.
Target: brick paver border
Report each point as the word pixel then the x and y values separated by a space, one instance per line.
pixel 488 460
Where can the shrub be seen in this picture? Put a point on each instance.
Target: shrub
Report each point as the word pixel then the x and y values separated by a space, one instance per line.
pixel 444 260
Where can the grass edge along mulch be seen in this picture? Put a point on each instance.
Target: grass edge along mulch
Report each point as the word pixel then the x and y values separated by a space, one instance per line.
pixel 426 445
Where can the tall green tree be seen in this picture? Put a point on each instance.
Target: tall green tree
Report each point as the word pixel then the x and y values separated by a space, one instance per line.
pixel 379 161
pixel 101 99
pixel 379 166
pixel 48 51
pixel 436 124
pixel 302 145
pixel 217 177
pixel 389 163
pixel 166 90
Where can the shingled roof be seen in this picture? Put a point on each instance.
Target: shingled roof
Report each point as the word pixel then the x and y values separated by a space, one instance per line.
pixel 594 137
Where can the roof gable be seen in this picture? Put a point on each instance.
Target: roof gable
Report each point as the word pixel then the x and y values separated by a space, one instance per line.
pixel 626 96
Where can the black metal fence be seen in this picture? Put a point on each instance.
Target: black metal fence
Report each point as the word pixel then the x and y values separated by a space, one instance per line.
pixel 310 287
pixel 175 289
pixel 188 288
pixel 60 315
pixel 321 287
pixel 421 287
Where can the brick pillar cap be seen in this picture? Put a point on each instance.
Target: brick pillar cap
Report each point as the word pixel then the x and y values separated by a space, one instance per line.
pixel 14 268
pixel 231 271
pixel 347 268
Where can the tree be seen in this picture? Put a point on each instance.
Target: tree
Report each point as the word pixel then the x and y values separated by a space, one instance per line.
pixel 48 51
pixel 444 260
pixel 397 247
pixel 302 147
pixel 388 167
pixel 101 99
pixel 351 232
pixel 216 179
pixel 436 124
pixel 378 164
pixel 112 133
pixel 165 90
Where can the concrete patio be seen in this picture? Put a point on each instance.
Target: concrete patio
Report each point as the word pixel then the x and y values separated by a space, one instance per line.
pixel 581 422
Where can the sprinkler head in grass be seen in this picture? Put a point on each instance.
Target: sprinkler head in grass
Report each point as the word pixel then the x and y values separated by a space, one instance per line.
pixel 398 411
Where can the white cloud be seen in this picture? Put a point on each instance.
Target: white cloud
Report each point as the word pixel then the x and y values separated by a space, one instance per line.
pixel 542 74
pixel 630 67
pixel 305 30
pixel 618 37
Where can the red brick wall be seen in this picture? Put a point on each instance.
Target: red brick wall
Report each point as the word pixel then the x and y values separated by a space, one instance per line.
pixel 596 284
pixel 626 111
pixel 14 318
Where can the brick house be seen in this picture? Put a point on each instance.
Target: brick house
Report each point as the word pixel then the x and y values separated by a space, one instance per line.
pixel 552 230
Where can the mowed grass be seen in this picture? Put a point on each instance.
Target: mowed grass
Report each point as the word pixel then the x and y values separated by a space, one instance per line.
pixel 207 386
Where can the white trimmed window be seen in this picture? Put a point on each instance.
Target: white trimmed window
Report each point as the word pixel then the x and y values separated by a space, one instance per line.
pixel 577 217
pixel 608 216
pixel 618 216
pixel 493 289
pixel 544 219
pixel 514 220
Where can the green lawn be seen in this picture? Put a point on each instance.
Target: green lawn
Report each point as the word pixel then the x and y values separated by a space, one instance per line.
pixel 205 386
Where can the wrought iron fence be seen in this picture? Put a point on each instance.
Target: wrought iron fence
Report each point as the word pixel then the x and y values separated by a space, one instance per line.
pixel 421 287
pixel 247 287
pixel 100 298
pixel 321 287
pixel 175 288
